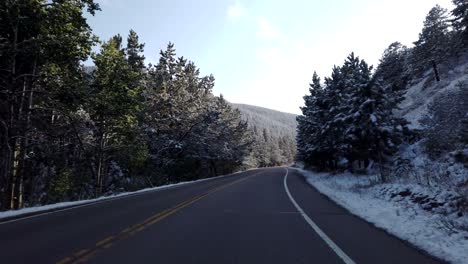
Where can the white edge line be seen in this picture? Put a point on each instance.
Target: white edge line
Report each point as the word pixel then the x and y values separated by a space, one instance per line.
pixel 109 199
pixel 346 259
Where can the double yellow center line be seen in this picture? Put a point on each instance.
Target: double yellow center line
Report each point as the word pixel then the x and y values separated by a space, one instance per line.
pixel 85 254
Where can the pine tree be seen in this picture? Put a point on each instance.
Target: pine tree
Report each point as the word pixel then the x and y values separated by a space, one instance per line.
pixel 375 131
pixel 137 141
pixel 357 75
pixel 460 21
pixel 392 68
pixel 231 141
pixel 41 43
pixel 310 124
pixel 134 51
pixel 336 99
pixel 349 119
pixel 189 130
pixel 112 106
pixel 432 45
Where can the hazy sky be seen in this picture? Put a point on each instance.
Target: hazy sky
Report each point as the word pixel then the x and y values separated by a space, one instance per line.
pixel 263 52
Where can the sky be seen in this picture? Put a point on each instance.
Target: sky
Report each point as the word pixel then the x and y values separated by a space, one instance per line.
pixel 264 52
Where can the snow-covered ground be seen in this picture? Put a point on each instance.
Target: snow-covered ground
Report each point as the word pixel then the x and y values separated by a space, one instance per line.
pixel 429 218
pixel 64 205
pixel 421 94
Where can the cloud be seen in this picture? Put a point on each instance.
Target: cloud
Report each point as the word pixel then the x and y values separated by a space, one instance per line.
pixel 286 72
pixel 279 73
pixel 267 31
pixel 236 11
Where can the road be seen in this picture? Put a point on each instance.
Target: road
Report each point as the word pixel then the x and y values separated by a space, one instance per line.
pixel 260 216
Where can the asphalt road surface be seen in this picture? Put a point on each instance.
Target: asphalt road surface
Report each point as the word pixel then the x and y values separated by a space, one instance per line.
pixel 259 216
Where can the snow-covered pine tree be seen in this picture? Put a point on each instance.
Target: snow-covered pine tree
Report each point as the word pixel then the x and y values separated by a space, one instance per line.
pixel 393 67
pixel 374 132
pixel 432 45
pixel 460 21
pixel 336 102
pixel 350 119
pixel 356 75
pixel 221 144
pixel 190 131
pixel 309 138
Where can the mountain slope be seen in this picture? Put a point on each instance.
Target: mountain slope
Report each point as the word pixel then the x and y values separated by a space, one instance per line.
pixel 423 91
pixel 274 134
pixel 277 123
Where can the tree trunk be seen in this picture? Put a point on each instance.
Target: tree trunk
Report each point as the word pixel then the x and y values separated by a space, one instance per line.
pixel 213 166
pixel 14 174
pixel 383 178
pixel 25 140
pixel 436 72
pixel 82 147
pixel 98 174
pixel 100 166
pixel 17 194
pixel 13 159
pixel 5 163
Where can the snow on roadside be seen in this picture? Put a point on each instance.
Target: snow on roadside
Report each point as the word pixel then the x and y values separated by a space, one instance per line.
pixel 64 205
pixel 425 229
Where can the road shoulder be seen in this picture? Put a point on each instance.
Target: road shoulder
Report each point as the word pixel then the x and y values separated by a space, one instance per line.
pixel 364 242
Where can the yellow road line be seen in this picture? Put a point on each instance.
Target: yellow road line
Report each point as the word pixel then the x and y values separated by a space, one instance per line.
pixel 86 254
pixel 126 230
pixel 81 252
pixel 86 257
pixel 63 261
pixel 106 246
pixel 104 241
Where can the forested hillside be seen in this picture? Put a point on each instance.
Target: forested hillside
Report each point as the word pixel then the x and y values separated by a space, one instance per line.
pixel 407 120
pixel 68 132
pixel 274 133
pixel 391 144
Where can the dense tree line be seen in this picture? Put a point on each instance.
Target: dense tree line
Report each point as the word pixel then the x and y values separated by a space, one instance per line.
pixel 349 120
pixel 274 136
pixel 270 150
pixel 72 132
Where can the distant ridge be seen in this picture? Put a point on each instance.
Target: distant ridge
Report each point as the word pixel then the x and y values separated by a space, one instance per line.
pixel 274 133
pixel 277 123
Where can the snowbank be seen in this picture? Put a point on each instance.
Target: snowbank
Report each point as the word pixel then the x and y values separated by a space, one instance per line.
pixel 424 217
pixel 74 204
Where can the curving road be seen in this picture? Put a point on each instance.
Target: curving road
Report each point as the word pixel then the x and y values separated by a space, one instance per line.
pixel 259 216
